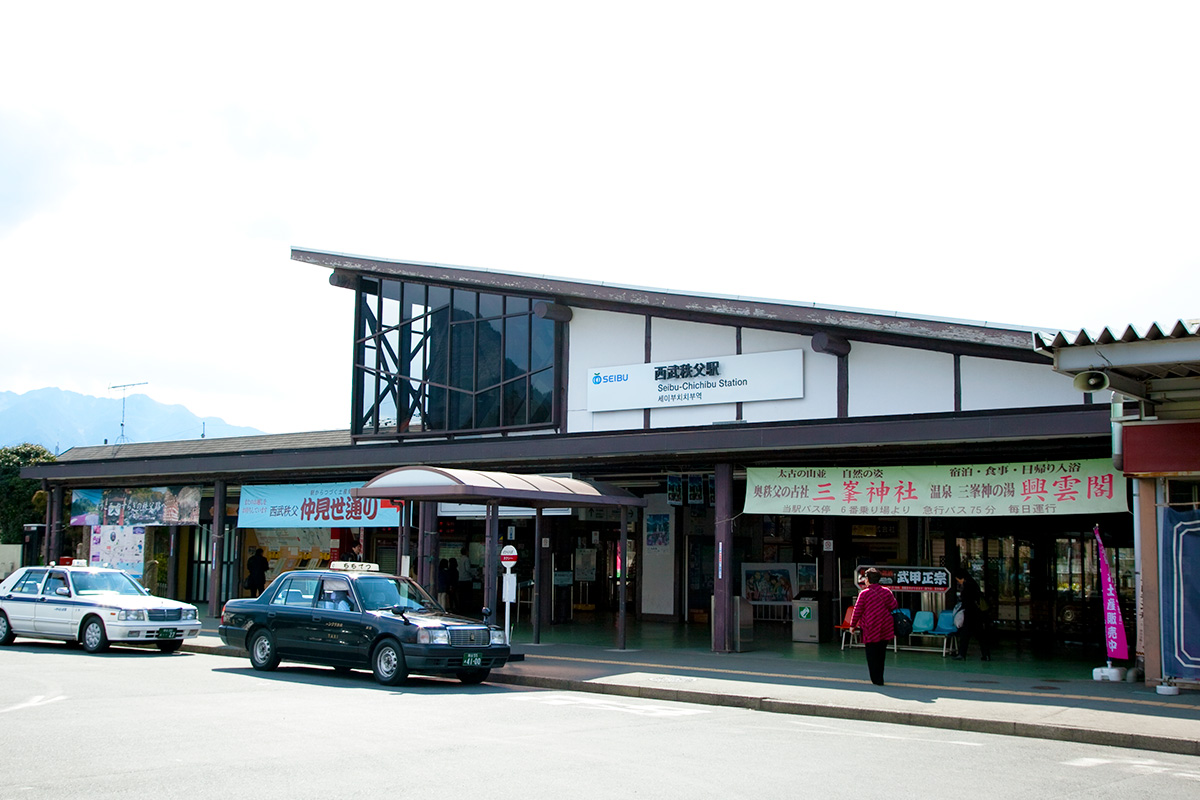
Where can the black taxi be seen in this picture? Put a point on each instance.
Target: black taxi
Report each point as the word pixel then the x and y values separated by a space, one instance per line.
pixel 352 615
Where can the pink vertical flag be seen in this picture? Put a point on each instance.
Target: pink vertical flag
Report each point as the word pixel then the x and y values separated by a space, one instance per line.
pixel 1114 629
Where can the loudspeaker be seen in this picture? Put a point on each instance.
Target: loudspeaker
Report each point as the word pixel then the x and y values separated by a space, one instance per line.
pixel 1091 381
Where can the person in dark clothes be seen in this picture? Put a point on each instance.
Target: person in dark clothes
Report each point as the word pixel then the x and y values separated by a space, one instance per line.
pixel 443 583
pixel 256 569
pixel 453 591
pixel 873 617
pixel 974 618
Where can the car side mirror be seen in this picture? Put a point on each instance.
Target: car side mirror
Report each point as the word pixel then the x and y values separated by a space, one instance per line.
pixel 62 591
pixel 485 611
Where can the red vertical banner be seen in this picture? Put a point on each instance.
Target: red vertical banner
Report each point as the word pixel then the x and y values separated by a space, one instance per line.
pixel 1114 628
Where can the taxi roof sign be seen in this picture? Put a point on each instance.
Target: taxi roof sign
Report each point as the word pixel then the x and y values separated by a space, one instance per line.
pixel 354 566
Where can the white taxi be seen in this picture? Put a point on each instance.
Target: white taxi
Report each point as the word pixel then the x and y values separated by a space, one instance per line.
pixel 94 606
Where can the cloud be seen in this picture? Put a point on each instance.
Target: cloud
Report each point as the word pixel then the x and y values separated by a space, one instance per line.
pixel 1021 165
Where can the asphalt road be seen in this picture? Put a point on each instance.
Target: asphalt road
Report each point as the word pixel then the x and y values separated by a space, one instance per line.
pixel 135 723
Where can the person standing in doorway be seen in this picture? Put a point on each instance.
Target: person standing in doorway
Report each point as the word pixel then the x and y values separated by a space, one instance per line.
pixel 970 596
pixel 256 572
pixel 873 617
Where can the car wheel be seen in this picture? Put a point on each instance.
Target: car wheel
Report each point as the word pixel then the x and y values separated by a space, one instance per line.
pixel 170 646
pixel 263 655
pixel 473 676
pixel 94 638
pixel 6 631
pixel 388 663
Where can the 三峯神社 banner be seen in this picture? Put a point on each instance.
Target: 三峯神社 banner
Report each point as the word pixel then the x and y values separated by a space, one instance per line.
pixel 1038 488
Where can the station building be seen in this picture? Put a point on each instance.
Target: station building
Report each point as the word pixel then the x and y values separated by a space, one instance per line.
pixel 778 446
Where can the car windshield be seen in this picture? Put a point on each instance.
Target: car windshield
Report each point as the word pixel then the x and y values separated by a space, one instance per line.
pixel 106 583
pixel 389 592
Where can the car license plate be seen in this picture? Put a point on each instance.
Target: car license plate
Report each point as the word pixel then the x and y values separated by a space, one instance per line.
pixel 166 633
pixel 472 659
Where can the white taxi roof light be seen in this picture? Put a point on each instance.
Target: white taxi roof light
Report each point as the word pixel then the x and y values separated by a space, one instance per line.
pixel 354 566
pixel 78 562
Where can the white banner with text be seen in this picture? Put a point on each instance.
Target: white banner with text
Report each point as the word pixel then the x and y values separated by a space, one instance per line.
pixel 1039 488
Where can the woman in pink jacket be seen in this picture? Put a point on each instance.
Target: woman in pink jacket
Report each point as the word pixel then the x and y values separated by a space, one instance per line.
pixel 873 616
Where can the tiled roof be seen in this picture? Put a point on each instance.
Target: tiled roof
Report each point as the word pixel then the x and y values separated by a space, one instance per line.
pixel 1181 329
pixel 200 447
pixel 1162 352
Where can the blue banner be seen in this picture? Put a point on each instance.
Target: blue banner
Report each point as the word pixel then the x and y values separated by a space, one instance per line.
pixel 314 505
pixel 1179 575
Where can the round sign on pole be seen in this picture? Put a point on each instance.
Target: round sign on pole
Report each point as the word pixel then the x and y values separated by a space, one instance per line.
pixel 508 556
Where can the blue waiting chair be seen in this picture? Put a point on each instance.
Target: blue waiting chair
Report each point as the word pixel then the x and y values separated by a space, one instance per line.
pixel 948 631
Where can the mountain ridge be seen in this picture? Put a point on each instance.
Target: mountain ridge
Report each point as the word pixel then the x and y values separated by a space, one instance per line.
pixel 59 419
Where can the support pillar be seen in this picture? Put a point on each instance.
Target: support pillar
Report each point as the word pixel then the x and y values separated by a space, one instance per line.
pixel 173 563
pixel 536 610
pixel 425 533
pixel 623 554
pixel 56 525
pixel 722 637
pixel 404 545
pixel 216 550
pixel 491 561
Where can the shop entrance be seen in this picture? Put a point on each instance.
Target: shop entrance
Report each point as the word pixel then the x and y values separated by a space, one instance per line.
pixel 1044 586
pixel 200 564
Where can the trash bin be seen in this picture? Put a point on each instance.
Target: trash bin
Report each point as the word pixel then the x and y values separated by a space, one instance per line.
pixel 806 620
pixel 743 624
pixel 811 621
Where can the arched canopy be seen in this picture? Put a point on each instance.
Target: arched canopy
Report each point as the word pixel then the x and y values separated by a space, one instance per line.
pixel 476 486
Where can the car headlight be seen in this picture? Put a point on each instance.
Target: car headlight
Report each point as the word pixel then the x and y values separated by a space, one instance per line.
pixel 497 636
pixel 136 614
pixel 433 636
pixel 189 613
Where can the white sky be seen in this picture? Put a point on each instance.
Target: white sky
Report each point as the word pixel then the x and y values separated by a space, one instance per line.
pixel 1033 163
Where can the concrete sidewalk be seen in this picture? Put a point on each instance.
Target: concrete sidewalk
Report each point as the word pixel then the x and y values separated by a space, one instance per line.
pixel 1096 712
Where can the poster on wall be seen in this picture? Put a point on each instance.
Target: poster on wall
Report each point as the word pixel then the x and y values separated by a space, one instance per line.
pixel 313 505
pixel 658 531
pixel 585 564
pixel 291 548
pixel 1039 488
pixel 769 584
pixel 163 505
pixel 1179 575
pixel 119 547
pixel 695 490
pixel 675 490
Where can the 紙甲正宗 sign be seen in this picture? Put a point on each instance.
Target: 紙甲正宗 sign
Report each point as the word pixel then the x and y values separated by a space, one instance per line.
pixel 776 375
pixel 908 579
pixel 313 505
pixel 1037 488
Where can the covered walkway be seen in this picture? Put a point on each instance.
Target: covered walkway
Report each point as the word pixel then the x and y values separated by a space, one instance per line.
pixel 431 485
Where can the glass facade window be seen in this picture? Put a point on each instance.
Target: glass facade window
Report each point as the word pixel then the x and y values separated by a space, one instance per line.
pixel 437 360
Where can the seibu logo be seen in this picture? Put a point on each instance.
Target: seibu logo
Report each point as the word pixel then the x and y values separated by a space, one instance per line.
pixel 615 377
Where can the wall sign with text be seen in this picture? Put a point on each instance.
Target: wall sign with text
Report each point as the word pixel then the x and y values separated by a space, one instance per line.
pixel 777 375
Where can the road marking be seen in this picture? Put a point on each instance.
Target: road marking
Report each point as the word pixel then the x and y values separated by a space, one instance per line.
pixel 639 709
pixel 825 730
pixel 1139 766
pixel 33 702
pixel 858 681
